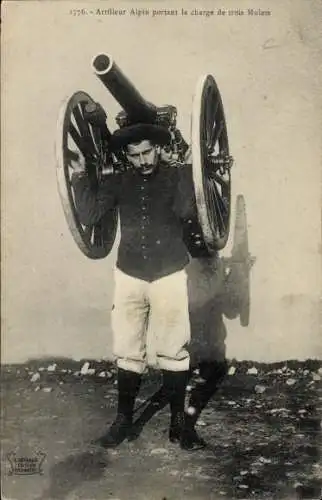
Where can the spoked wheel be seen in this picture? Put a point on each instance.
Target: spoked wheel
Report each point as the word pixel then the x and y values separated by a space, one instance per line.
pixel 211 164
pixel 82 130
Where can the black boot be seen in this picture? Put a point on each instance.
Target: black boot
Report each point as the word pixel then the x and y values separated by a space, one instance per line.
pixel 175 387
pixel 213 373
pixel 128 388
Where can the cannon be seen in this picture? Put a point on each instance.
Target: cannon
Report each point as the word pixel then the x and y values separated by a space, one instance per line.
pixel 82 127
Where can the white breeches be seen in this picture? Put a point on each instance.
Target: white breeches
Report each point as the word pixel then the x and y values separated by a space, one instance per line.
pixel 151 317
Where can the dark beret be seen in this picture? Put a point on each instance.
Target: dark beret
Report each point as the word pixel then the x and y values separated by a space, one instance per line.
pixel 137 133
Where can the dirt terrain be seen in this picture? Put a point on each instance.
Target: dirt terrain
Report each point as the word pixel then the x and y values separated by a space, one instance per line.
pixel 262 426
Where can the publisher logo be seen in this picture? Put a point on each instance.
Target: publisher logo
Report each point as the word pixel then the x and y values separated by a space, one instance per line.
pixel 25 465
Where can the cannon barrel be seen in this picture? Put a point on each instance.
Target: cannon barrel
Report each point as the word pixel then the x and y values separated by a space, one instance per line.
pixel 135 106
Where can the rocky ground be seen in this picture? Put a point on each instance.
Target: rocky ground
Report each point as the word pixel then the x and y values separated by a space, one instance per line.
pixel 263 429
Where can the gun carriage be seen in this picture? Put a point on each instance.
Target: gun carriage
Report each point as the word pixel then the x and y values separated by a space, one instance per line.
pixel 82 126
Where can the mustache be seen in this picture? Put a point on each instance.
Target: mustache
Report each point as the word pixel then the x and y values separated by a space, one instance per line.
pixel 146 166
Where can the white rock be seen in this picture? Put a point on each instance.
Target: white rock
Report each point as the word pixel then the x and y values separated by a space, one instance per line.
pixel 47 389
pixel 320 371
pixel 316 377
pixel 201 423
pixel 278 410
pixel 102 374
pixel 41 369
pixel 306 372
pixel 85 368
pixel 35 377
pixel 37 388
pixel 244 472
pixel 76 374
pixel 290 381
pixel 91 371
pixel 232 370
pixel 264 460
pixel 243 486
pixel 205 477
pixel 302 411
pixel 252 371
pixel 159 451
pixel 52 368
pixel 259 389
pixel 189 388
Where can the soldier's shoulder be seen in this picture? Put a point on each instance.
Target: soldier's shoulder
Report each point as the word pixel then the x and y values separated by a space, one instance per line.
pixel 169 171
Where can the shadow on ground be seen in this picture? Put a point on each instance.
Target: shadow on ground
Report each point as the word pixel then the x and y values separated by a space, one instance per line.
pixel 262 426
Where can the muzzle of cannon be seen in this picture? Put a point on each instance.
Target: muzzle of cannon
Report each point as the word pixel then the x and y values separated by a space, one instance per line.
pixel 82 130
pixel 137 109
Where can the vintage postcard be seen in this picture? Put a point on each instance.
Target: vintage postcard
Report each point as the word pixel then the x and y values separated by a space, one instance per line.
pixel 161 249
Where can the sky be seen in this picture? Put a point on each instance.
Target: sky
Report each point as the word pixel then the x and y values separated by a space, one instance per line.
pixel 268 68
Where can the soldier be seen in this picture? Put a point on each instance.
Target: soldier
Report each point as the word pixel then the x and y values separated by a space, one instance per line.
pixel 210 300
pixel 153 197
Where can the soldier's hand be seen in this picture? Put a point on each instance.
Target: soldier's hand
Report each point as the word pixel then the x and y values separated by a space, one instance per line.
pixel 171 158
pixel 77 162
pixel 167 156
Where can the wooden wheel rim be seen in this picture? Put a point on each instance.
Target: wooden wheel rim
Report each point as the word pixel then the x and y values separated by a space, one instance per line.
pixel 108 224
pixel 207 86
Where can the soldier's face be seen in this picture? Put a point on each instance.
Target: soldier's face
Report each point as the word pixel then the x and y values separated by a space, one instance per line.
pixel 143 156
